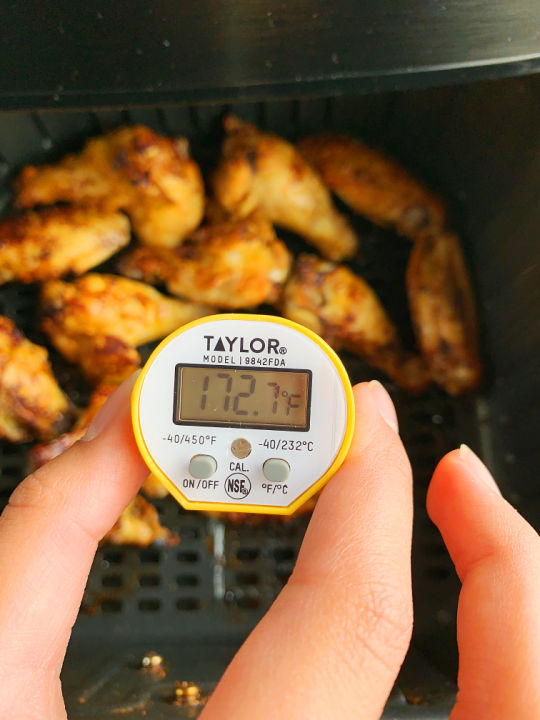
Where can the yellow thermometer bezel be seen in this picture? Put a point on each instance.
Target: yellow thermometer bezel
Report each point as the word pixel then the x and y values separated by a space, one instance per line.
pixel 234 507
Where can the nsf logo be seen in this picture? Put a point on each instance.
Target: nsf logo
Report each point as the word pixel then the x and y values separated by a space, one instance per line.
pixel 237 486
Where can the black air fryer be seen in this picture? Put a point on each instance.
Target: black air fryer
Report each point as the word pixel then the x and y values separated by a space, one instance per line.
pixel 448 89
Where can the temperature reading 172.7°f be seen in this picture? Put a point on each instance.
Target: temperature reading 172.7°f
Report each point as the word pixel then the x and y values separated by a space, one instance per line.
pixel 210 395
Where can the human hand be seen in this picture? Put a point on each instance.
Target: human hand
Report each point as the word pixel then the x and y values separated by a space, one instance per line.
pixel 335 638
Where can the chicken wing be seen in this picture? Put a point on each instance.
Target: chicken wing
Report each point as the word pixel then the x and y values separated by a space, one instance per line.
pixel 443 312
pixel 41 454
pixel 344 310
pixel 234 264
pixel 149 176
pixel 139 525
pixel 373 185
pixel 41 246
pixel 101 358
pixel 32 405
pixel 97 321
pixel 259 170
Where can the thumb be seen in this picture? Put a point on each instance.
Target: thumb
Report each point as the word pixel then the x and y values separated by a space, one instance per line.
pixel 49 532
pixel 334 640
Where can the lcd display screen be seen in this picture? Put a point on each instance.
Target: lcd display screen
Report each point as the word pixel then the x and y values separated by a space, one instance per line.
pixel 246 397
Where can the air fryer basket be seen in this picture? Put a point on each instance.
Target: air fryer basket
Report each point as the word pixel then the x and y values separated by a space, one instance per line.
pixel 195 603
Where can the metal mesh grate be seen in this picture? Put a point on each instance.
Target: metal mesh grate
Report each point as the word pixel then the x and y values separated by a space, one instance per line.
pixel 215 585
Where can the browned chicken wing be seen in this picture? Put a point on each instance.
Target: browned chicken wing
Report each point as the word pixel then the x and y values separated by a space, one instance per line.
pixel 344 310
pixel 234 264
pixel 260 170
pixel 373 185
pixel 38 246
pixel 32 405
pixel 41 454
pixel 139 525
pixel 99 357
pixel 149 176
pixel 443 312
pixel 97 321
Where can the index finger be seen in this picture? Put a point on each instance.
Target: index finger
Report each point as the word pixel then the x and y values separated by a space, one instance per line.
pixel 335 638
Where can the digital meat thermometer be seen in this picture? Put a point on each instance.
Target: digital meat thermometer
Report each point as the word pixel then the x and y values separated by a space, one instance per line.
pixel 243 413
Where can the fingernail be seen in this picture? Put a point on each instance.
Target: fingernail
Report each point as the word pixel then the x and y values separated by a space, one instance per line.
pixel 384 404
pixel 113 405
pixel 479 470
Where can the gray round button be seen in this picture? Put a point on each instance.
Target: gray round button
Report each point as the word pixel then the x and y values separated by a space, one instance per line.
pixel 202 466
pixel 276 470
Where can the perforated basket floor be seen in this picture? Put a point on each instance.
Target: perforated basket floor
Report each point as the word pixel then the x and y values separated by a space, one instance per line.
pixel 194 603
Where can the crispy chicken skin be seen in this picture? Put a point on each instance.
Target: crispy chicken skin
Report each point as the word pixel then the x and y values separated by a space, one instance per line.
pixel 99 357
pixel 32 405
pixel 37 246
pixel 443 312
pixel 373 185
pixel 235 264
pixel 97 321
pixel 139 525
pixel 134 169
pixel 260 170
pixel 344 310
